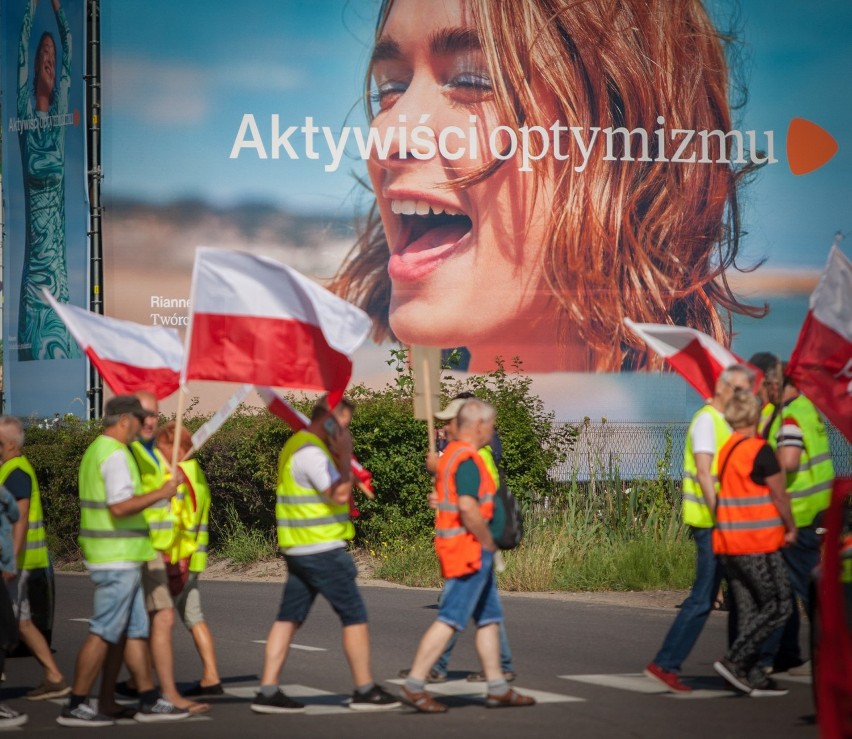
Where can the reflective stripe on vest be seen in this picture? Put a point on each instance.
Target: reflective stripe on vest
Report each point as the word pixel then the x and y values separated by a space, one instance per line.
pixel 695 510
pixel 747 521
pixel 105 538
pixel 810 485
pixel 161 521
pixel 459 551
pixel 34 554
pixel 302 515
pixel 197 528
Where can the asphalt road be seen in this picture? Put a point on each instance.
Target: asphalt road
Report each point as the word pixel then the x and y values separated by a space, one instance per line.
pixel 582 661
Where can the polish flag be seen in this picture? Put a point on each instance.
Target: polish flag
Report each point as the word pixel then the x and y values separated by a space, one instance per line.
pixel 695 356
pixel 296 420
pixel 821 364
pixel 129 356
pixel 258 321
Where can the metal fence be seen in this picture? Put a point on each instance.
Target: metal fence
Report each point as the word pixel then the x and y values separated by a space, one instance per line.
pixel 647 451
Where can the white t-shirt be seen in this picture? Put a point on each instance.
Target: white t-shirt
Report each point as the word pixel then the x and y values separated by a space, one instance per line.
pixel 115 470
pixel 703 435
pixel 311 468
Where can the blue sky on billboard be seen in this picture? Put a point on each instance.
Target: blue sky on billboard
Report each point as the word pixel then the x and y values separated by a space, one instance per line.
pixel 191 71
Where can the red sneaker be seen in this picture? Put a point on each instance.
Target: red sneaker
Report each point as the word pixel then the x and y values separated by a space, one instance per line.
pixel 669 680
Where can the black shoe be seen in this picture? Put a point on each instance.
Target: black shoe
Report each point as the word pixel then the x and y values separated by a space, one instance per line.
pixel 83 715
pixel 278 703
pixel 768 688
pixel 733 674
pixel 162 710
pixel 376 699
pixel 124 689
pixel 201 691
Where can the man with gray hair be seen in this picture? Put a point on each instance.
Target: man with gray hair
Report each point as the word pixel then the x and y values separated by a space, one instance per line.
pixel 32 560
pixel 706 435
pixel 465 548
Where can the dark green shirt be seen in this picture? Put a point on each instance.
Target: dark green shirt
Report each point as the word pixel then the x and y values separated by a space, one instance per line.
pixel 467 483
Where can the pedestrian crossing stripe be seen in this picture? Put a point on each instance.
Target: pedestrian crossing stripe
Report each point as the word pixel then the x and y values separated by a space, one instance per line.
pixel 303 647
pixel 636 682
pixel 467 689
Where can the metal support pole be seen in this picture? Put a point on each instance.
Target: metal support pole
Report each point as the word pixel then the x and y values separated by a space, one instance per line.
pixel 96 266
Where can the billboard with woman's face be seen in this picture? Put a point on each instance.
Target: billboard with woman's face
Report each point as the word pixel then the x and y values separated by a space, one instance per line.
pixel 506 179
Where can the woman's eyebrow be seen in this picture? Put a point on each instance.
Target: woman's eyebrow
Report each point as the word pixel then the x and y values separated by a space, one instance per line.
pixel 442 42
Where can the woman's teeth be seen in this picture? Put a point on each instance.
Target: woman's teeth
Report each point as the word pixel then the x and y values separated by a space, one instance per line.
pixel 421 208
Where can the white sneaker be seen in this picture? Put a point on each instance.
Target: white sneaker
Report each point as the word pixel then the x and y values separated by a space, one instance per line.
pixel 83 715
pixel 9 717
pixel 803 670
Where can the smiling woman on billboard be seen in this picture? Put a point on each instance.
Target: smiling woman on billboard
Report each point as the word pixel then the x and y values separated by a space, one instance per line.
pixel 551 168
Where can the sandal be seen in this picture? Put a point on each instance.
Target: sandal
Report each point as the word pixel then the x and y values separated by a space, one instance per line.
pixel 510 699
pixel 422 701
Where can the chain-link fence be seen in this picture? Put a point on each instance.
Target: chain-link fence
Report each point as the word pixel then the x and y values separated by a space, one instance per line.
pixel 647 451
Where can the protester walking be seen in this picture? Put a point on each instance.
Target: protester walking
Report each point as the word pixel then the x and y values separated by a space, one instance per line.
pixel 753 523
pixel 465 548
pixel 312 513
pixel 115 543
pixel 706 435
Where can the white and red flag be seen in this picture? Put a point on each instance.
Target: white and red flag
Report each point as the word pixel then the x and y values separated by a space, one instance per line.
pixel 129 356
pixel 258 321
pixel 821 364
pixel 695 356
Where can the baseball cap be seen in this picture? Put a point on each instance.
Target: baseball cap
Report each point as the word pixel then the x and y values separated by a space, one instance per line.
pixel 452 409
pixel 121 404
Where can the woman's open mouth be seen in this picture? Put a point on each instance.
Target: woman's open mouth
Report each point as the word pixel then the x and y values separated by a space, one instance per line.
pixel 428 234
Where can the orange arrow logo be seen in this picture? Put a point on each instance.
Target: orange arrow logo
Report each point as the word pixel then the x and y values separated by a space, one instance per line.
pixel 809 146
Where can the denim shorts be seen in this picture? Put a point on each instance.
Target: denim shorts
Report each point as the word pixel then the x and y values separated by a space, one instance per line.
pixel 119 605
pixel 329 574
pixel 473 596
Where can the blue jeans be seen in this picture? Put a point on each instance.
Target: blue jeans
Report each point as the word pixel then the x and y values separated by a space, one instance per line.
pixel 782 645
pixel 686 629
pixel 472 596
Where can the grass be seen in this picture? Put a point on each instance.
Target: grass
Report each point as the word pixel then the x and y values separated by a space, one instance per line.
pixel 241 544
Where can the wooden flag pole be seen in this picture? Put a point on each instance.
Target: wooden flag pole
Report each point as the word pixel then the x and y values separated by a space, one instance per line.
pixel 178 429
pixel 430 418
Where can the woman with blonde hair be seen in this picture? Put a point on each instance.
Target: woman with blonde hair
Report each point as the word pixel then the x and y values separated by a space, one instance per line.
pixel 547 168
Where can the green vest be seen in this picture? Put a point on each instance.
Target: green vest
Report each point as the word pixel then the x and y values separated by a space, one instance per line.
pixel 763 426
pixel 162 523
pixel 810 485
pixel 303 516
pixel 198 483
pixel 34 556
pixel 695 510
pixel 105 538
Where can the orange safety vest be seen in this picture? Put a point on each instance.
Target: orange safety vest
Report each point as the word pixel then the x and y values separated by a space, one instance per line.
pixel 459 551
pixel 747 521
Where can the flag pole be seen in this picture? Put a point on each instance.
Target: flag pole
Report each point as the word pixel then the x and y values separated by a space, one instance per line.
pixel 430 419
pixel 178 429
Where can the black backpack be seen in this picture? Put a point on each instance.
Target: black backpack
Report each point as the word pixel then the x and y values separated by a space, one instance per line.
pixel 513 527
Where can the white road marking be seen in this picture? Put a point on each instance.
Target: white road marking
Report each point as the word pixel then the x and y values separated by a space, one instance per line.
pixel 81 620
pixel 303 647
pixel 636 682
pixel 478 690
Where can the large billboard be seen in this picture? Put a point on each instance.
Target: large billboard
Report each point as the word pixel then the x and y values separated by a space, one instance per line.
pixel 45 200
pixel 496 178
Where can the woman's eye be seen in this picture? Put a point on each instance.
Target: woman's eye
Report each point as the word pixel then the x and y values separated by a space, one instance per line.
pixel 385 93
pixel 471 81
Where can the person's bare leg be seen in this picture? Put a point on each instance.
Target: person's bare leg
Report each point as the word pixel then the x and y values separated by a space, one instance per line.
pixel 35 640
pixel 431 647
pixel 203 639
pixel 488 649
pixel 356 647
pixel 89 662
pixel 112 666
pixel 277 647
pixel 138 661
pixel 162 623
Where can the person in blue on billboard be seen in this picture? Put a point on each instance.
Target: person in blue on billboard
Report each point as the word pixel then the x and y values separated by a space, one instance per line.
pixel 549 168
pixel 41 333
